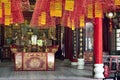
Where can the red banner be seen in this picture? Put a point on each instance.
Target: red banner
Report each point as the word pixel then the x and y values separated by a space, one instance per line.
pixel 2 18
pixel 78 8
pixel 16 11
pixel 40 6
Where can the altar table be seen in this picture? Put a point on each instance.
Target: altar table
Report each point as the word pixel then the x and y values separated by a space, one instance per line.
pixel 35 61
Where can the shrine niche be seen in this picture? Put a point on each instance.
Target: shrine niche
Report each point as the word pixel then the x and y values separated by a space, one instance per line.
pixel 7 35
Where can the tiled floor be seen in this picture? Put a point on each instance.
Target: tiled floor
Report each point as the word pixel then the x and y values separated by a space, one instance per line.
pixel 63 71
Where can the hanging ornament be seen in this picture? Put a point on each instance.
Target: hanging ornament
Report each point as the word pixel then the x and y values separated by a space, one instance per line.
pixel 42 18
pixel 52 8
pixel 68 22
pixel 64 18
pixel 98 9
pixel 2 13
pixel 73 25
pixel 40 6
pixel 5 1
pixel 17 15
pixel 69 5
pixel 82 20
pixel 117 2
pixel 7 20
pixel 1 10
pixel 58 8
pixel 7 7
pixel 90 11
pixel 75 14
pixel 39 20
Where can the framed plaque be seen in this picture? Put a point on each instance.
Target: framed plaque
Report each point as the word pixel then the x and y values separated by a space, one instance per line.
pixel 8 32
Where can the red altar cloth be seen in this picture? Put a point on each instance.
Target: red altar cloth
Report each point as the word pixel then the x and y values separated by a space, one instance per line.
pixel 34 61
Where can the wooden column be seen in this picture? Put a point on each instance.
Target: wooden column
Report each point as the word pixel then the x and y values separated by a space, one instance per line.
pixel 98 49
pixel 74 47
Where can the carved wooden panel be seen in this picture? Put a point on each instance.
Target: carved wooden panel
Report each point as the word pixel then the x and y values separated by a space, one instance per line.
pixel 35 61
pixel 6 53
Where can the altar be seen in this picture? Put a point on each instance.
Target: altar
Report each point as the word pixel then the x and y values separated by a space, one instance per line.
pixel 34 61
pixel 34 50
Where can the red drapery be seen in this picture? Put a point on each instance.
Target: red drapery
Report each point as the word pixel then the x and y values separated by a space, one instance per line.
pixel 41 5
pixel 80 8
pixel 16 11
pixel 25 5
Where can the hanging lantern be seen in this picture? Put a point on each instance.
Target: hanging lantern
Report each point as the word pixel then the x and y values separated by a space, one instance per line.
pixel 110 15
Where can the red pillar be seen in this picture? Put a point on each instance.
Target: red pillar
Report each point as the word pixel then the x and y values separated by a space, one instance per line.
pixel 98 40
pixel 98 49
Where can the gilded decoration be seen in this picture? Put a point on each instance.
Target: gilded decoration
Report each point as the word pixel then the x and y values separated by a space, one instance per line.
pixel 18 61
pixel 34 61
pixel 51 60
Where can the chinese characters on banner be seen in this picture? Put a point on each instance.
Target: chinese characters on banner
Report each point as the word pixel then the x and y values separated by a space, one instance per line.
pixel 117 2
pixel 98 10
pixel 82 20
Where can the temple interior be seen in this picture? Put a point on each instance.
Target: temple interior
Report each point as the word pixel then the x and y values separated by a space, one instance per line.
pixel 59 40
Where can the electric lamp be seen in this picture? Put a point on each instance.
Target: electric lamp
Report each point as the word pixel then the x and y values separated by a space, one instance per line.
pixel 110 15
pixel 16 24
